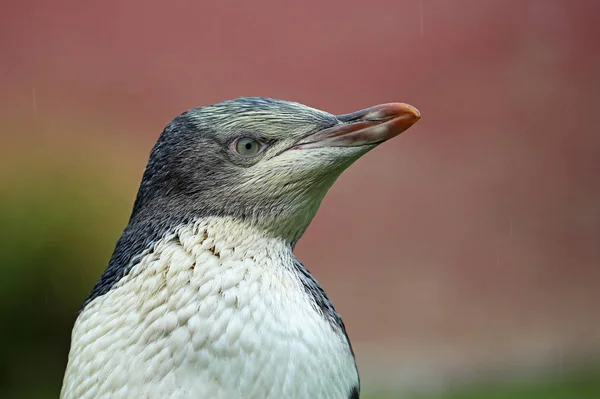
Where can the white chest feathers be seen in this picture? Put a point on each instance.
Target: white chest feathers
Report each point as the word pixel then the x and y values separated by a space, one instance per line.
pixel 209 315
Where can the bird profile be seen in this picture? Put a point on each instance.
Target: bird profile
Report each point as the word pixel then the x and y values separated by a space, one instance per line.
pixel 203 296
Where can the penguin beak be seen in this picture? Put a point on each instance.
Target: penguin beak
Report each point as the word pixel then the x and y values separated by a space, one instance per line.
pixel 369 126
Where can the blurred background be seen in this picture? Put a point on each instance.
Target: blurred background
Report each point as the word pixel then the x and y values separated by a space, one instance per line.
pixel 464 255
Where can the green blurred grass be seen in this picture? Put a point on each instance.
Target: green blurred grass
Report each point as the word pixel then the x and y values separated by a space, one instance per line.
pixel 59 225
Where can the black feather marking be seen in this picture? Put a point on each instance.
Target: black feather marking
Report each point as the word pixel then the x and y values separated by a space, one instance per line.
pixel 137 241
pixel 322 303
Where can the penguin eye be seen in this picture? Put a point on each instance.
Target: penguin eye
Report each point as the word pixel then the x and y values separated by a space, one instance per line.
pixel 247 147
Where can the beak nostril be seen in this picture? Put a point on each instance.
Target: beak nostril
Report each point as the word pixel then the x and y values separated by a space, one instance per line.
pixel 377 116
pixel 353 117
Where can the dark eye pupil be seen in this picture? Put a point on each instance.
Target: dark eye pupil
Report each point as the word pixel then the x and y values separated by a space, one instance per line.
pixel 247 147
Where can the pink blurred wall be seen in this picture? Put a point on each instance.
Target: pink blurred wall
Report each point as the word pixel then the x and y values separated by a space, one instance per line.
pixel 475 235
